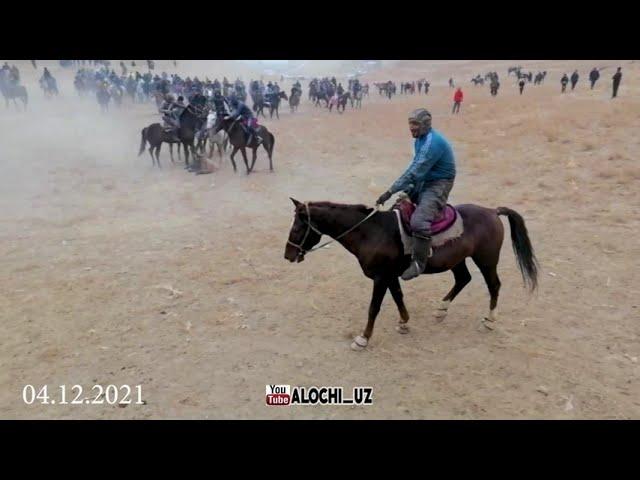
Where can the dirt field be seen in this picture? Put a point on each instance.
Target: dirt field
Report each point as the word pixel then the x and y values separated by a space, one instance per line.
pixel 114 272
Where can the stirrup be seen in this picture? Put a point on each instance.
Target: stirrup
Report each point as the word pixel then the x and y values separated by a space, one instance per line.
pixel 413 271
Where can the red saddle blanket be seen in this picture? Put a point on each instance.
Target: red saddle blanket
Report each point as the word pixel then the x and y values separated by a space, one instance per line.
pixel 442 223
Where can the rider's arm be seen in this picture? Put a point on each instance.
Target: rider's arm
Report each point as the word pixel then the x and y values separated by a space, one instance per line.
pixel 423 161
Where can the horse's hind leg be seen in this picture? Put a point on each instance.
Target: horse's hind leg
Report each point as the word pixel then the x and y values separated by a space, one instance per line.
pixel 396 293
pixel 490 274
pixel 380 286
pixel 253 160
pixel 233 162
pixel 462 278
pixel 244 157
pixel 269 152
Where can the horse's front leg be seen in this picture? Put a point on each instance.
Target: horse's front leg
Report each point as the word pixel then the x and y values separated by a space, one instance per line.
pixel 380 286
pixel 185 148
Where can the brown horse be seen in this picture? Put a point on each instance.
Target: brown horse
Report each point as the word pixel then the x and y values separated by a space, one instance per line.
pixel 274 103
pixel 156 136
pixel 13 91
pixel 238 139
pixel 373 236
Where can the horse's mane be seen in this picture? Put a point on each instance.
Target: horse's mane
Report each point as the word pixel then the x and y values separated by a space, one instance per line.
pixel 331 205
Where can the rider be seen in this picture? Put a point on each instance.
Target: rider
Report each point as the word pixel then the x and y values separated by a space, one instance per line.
pixel 14 74
pixel 244 112
pixel 46 74
pixel 171 111
pixel 219 104
pixel 269 90
pixel 428 181
pixel 340 89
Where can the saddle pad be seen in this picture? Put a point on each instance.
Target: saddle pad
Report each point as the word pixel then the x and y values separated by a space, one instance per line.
pixel 438 240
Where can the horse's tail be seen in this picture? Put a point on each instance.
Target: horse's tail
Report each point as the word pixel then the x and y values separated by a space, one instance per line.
pixel 522 248
pixel 143 140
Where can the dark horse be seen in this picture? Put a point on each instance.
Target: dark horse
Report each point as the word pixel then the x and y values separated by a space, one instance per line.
pixel 11 91
pixel 49 86
pixel 191 120
pixel 156 136
pixel 374 238
pixel 294 100
pixel 274 103
pixel 258 103
pixel 238 139
pixel 103 97
pixel 342 102
pixel 322 95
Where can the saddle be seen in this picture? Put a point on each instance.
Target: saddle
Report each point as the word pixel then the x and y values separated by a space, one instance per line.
pixel 406 208
pixel 445 229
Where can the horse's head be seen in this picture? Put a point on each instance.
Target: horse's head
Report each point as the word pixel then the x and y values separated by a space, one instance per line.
pixel 303 236
pixel 222 123
pixel 284 95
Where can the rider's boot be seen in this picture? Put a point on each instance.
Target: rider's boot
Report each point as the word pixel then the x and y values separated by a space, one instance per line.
pixel 421 248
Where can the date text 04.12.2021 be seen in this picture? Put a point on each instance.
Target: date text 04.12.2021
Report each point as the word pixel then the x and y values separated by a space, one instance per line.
pixel 97 395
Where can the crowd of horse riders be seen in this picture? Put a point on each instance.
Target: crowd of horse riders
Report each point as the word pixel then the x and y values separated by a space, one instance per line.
pixel 389 88
pixel 333 92
pixel 411 87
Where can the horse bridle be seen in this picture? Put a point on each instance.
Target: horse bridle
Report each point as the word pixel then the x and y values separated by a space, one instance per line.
pixel 302 251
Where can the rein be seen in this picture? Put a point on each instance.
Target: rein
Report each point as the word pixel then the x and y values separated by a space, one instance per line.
pixel 303 251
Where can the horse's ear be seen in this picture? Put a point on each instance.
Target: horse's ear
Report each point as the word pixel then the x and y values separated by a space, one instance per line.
pixel 295 202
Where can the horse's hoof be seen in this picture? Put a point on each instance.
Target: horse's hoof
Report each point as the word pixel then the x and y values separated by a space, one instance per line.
pixel 440 315
pixel 486 325
pixel 443 309
pixel 359 343
pixel 402 328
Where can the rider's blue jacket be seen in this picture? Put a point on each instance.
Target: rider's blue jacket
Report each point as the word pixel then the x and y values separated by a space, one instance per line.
pixel 243 111
pixel 433 160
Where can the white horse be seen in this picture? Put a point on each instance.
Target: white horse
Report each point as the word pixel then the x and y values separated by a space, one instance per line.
pixel 221 139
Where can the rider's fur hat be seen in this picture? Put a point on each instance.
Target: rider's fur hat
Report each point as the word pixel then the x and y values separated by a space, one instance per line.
pixel 422 116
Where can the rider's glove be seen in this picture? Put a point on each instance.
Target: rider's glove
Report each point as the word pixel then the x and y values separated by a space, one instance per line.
pixel 383 198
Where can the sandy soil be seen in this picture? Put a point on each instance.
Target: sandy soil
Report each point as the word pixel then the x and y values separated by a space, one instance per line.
pixel 114 272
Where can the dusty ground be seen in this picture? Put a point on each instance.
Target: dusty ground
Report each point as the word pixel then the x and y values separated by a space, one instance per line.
pixel 92 239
